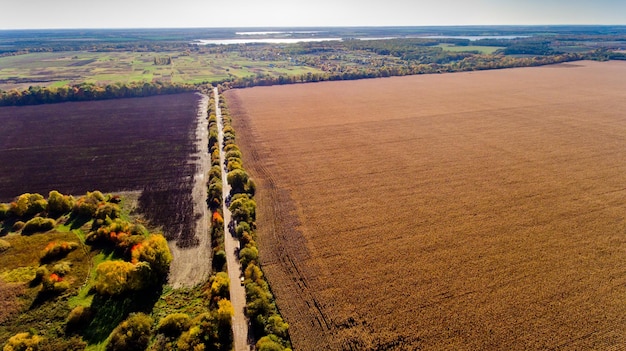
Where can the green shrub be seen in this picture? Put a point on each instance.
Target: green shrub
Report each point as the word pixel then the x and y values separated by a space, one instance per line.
pixel 215 172
pixel 155 251
pixel 228 129
pixel 55 250
pixel 59 204
pixel 204 334
pixel 250 187
pixel 174 324
pixel 54 283
pixel 231 147
pixel 242 227
pixel 40 274
pixel 243 208
pixel 248 255
pixel 132 334
pixel 220 285
pixel 39 224
pixel 23 342
pixel 87 205
pixel 233 153
pixel 275 325
pixel 269 343
pixel 28 205
pixel 78 318
pixel 5 210
pixel 107 209
pixel 118 277
pixel 62 268
pixel 233 164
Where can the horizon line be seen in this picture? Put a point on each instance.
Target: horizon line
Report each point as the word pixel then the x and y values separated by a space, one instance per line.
pixel 329 26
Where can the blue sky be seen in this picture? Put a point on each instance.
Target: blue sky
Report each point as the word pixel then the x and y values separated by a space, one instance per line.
pixel 16 14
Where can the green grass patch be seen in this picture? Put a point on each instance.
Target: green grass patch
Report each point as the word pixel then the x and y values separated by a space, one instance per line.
pixel 191 301
pixel 64 68
pixel 470 48
pixel 44 314
pixel 60 83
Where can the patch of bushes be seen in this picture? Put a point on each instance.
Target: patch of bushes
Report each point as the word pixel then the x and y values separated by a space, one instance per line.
pixel 52 282
pixel 59 204
pixel 55 250
pixel 27 205
pixel 78 318
pixel 174 324
pixel 87 205
pixel 23 342
pixel 132 334
pixel 4 211
pixel 38 224
pixel 150 261
pixel 119 277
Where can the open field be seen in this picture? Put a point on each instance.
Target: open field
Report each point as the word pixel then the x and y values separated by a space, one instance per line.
pixel 467 211
pixel 73 67
pixel 113 145
pixel 481 49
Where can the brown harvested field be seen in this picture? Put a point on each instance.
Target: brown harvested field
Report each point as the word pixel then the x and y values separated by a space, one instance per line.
pixel 468 211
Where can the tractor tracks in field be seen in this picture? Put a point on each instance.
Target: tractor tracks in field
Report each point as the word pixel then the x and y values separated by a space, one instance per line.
pixel 284 252
pixel 192 265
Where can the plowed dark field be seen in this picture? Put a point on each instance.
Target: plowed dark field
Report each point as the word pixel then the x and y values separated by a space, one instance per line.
pixel 112 145
pixel 469 211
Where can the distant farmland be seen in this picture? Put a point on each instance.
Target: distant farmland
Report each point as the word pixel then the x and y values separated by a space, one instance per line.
pixel 468 211
pixel 113 145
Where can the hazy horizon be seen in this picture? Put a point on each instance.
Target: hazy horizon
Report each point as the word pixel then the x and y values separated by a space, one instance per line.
pixel 114 14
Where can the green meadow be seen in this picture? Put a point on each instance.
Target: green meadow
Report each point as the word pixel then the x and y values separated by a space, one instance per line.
pixel 56 69
pixel 468 48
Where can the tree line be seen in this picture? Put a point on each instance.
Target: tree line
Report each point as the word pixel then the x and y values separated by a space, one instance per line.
pixel 36 95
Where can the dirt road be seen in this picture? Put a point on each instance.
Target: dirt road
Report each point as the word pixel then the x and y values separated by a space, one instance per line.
pixel 192 265
pixel 237 291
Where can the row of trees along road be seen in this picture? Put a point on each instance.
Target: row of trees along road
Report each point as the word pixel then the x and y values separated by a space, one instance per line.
pixel 268 326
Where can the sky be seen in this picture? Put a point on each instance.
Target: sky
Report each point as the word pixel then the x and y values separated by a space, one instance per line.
pixel 48 14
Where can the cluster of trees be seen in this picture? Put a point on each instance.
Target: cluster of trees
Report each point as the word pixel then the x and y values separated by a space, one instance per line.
pixel 139 261
pixel 35 95
pixel 271 330
pixel 462 63
pixel 143 258
pixel 163 61
pixel 210 330
pixel 176 331
pixel 32 213
pixel 214 198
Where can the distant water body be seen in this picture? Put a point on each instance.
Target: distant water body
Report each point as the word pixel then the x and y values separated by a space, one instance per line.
pixel 474 37
pixel 261 40
pixel 289 40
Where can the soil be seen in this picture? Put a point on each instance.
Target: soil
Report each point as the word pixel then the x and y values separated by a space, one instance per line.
pixel 154 145
pixel 467 211
pixel 191 265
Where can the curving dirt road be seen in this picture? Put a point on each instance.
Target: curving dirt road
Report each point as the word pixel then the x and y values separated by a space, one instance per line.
pixel 192 265
pixel 237 291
